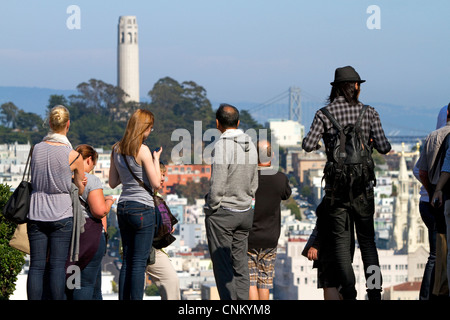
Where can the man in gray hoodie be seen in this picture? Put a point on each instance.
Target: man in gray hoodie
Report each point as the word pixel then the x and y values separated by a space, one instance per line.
pixel 228 207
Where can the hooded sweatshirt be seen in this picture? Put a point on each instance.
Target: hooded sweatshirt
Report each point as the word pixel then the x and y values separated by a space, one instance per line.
pixel 234 172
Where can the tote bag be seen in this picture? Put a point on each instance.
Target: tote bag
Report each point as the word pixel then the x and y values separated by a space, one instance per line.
pixel 20 240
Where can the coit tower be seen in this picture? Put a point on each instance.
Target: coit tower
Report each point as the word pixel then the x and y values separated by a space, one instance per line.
pixel 128 57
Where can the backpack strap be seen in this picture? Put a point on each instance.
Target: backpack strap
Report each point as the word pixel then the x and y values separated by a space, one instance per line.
pixel 340 164
pixel 331 118
pixel 361 114
pixel 341 132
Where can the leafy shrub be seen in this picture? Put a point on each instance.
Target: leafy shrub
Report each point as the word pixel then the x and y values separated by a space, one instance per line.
pixel 11 260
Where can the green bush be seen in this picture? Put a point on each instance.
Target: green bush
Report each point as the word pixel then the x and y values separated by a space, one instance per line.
pixel 151 290
pixel 11 260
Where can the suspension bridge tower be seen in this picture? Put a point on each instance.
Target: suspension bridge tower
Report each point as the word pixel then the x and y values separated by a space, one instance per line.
pixel 295 111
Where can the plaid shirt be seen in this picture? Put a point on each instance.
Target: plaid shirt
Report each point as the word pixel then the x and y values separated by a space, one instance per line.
pixel 345 114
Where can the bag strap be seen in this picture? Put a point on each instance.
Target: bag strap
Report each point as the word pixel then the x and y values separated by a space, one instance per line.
pixel 75 159
pixel 27 170
pixel 139 181
pixel 361 114
pixel 331 118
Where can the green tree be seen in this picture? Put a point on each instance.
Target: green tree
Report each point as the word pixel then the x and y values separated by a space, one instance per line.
pixel 378 158
pixel 293 180
pixel 9 113
pixel 100 97
pixel 177 106
pixel 11 260
pixel 28 121
pixel 152 290
pixel 56 99
pixel 246 122
pixel 292 205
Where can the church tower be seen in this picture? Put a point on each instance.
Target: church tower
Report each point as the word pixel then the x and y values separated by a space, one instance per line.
pixel 401 208
pixel 418 232
pixel 128 57
pixel 409 231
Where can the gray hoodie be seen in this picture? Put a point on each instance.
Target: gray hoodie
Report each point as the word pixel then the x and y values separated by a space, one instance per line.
pixel 234 172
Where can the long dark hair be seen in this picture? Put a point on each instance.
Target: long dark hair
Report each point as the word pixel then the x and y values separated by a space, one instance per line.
pixel 346 90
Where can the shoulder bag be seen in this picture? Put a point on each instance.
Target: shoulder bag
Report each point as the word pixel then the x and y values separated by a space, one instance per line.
pixel 164 218
pixel 18 205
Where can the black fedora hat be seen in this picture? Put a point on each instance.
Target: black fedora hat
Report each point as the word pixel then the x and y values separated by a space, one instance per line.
pixel 346 74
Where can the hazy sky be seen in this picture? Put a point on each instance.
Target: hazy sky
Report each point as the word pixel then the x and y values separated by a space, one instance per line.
pixel 238 50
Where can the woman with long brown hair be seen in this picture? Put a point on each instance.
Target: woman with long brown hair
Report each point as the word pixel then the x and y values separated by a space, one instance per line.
pixel 131 159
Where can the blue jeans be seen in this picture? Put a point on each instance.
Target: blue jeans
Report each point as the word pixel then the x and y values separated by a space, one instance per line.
pixel 53 238
pixel 89 275
pixel 137 228
pixel 426 287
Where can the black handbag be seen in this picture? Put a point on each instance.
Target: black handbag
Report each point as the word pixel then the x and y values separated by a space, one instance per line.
pixel 18 205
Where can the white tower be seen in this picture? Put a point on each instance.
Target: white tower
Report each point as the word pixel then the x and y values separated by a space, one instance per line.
pixel 401 206
pixel 128 57
pixel 409 230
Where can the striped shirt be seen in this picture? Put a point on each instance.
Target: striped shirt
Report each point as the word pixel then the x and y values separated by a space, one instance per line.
pixel 345 114
pixel 51 179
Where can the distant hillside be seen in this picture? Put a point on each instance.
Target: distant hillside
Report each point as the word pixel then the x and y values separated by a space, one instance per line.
pixel 30 99
pixel 397 120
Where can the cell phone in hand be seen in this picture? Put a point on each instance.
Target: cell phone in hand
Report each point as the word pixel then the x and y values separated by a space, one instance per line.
pixel 436 203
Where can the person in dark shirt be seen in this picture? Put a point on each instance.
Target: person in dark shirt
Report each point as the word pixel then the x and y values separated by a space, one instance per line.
pixel 263 238
pixel 347 206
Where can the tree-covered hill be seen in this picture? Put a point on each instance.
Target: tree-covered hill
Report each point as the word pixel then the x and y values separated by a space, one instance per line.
pixel 99 115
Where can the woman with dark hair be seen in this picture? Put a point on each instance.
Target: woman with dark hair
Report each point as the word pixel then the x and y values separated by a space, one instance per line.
pixel 349 90
pixel 130 158
pixel 350 203
pixel 93 240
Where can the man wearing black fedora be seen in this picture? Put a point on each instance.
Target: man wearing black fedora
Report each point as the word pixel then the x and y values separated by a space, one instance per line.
pixel 344 207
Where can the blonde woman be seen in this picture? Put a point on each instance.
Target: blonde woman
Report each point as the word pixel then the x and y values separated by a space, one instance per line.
pixel 51 214
pixel 135 208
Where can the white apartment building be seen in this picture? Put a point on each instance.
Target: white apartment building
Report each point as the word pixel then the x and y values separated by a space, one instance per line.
pixel 13 158
pixel 287 132
pixel 295 278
